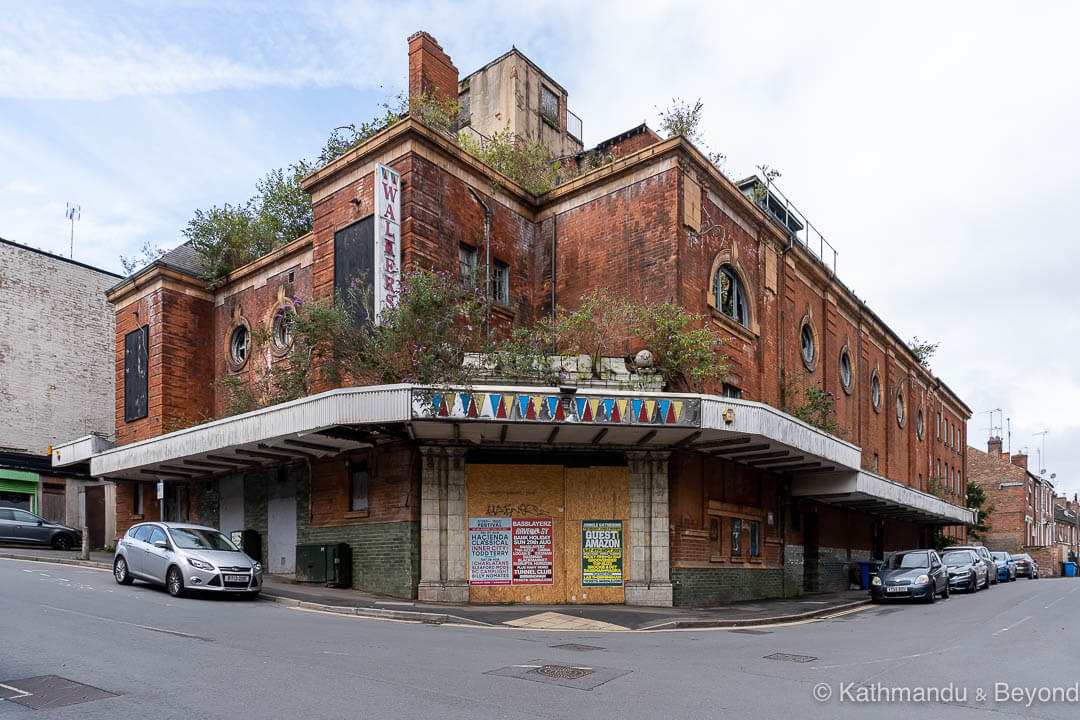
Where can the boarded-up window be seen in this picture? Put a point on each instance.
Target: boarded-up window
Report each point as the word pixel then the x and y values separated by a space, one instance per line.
pixel 358 486
pixel 549 105
pixel 136 358
pixel 354 264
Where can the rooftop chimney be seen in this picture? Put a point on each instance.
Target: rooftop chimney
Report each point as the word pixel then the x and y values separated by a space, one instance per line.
pixel 1020 459
pixel 993 447
pixel 430 69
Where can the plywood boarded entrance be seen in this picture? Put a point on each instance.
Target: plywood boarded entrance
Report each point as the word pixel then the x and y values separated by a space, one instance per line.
pixel 567 496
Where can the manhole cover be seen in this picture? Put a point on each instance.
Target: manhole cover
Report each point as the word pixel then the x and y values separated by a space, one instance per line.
pixel 563 672
pixel 576 647
pixel 752 632
pixel 50 691
pixel 787 657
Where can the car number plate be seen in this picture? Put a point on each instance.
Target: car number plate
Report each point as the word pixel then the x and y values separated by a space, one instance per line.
pixel 236 578
pixel 896 588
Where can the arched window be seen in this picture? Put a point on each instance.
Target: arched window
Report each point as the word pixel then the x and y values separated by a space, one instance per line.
pixel 730 296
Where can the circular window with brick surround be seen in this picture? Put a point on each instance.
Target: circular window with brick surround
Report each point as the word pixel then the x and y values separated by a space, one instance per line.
pixel 281 329
pixel 875 392
pixel 900 409
pixel 919 426
pixel 809 349
pixel 238 344
pixel 847 375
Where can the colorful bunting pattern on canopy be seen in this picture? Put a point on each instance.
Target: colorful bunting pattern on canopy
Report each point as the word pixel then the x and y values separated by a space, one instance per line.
pixel 527 407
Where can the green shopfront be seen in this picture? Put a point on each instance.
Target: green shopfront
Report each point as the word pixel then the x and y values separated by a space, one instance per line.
pixel 19 489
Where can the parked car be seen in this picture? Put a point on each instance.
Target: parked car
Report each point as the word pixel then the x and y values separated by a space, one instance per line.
pixel 1026 566
pixel 991 566
pixel 23 526
pixel 1005 565
pixel 967 571
pixel 185 557
pixel 911 574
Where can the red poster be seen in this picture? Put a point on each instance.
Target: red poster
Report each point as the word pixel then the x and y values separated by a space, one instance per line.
pixel 534 557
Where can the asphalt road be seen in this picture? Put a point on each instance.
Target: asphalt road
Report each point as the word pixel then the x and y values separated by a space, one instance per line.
pixel 221 658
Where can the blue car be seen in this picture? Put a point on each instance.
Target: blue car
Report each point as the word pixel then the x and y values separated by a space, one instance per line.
pixel 1006 566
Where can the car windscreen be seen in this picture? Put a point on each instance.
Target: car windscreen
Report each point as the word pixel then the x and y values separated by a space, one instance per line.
pixel 1000 555
pixel 957 558
pixel 196 539
pixel 908 560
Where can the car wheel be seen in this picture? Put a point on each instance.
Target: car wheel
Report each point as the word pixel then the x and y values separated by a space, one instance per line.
pixel 174 582
pixel 945 592
pixel 62 542
pixel 120 571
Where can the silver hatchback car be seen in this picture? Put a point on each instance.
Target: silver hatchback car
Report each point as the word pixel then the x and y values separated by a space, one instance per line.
pixel 185 557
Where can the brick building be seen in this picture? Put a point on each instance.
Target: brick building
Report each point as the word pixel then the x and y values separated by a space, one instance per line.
pixel 55 383
pixel 577 493
pixel 1023 518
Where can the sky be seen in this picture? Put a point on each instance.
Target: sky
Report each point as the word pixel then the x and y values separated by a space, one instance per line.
pixel 931 143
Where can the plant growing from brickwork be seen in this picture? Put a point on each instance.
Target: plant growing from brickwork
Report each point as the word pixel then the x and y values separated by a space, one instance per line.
pixel 810 402
pixel 238 396
pixel 529 163
pixel 687 350
pixel 976 500
pixel 682 117
pixel 923 350
pixel 228 236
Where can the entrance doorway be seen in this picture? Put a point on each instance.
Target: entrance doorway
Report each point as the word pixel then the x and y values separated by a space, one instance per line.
pixel 95 515
pixel 281 524
pixel 577 500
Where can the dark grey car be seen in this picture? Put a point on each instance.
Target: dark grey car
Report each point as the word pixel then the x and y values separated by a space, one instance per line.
pixel 913 574
pixel 982 552
pixel 22 526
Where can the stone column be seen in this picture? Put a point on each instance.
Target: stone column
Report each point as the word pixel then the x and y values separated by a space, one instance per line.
pixel 650 574
pixel 443 526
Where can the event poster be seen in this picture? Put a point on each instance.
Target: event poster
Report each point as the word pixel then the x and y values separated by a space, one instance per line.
pixel 534 557
pixel 489 551
pixel 601 553
pixel 511 551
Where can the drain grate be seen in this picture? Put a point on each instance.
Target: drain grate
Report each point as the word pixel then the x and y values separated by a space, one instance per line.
pixel 576 647
pixel 563 672
pixel 51 691
pixel 787 657
pixel 747 631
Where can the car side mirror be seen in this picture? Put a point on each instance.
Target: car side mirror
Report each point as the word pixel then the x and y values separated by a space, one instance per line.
pixel 161 544
pixel 39 523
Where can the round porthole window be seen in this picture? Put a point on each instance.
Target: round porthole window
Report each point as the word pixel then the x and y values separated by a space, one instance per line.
pixel 809 352
pixel 239 343
pixel 899 409
pixel 875 392
pixel 282 334
pixel 919 423
pixel 846 376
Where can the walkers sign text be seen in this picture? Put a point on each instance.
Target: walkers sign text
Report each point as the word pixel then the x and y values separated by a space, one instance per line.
pixel 387 239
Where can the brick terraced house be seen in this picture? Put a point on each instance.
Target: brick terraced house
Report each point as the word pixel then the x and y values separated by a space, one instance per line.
pixel 1025 507
pixel 576 493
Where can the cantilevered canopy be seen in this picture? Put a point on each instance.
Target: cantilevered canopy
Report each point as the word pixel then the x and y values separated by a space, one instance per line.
pixel 870 493
pixel 508 417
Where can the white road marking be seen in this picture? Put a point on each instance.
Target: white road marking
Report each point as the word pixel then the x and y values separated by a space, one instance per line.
pixel 1046 607
pixel 22 693
pixel 27 571
pixel 884 660
pixel 1007 629
pixel 124 622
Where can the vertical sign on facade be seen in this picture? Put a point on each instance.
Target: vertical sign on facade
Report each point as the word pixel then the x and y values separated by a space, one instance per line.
pixel 387 238
pixel 489 551
pixel 534 557
pixel 601 553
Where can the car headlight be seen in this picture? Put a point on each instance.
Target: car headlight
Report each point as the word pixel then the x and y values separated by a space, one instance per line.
pixel 256 567
pixel 200 565
pixel 922 579
pixel 876 580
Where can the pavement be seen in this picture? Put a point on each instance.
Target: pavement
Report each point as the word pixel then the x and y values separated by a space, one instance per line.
pixel 520 616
